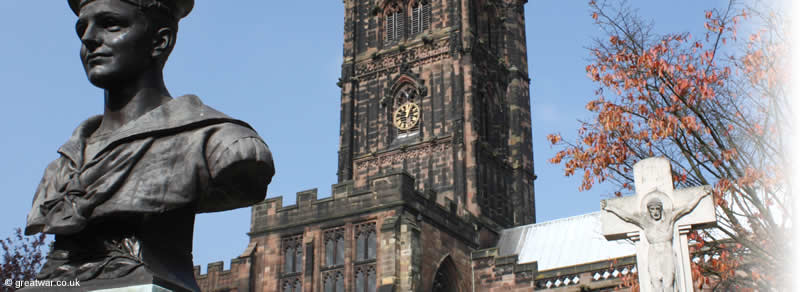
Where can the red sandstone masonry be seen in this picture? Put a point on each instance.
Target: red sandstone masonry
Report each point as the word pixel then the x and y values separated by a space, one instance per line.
pixel 436 197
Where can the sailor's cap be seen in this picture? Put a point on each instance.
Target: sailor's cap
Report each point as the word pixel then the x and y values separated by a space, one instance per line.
pixel 177 8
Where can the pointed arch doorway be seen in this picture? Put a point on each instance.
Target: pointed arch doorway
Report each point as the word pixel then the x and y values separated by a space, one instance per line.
pixel 446 277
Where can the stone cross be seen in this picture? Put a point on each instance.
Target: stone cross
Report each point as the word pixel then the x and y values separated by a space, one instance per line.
pixel 665 216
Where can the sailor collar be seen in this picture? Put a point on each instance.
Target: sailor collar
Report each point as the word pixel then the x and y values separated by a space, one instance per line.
pixel 179 114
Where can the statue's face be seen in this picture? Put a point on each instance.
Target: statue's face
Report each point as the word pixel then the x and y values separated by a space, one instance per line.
pixel 116 44
pixel 655 212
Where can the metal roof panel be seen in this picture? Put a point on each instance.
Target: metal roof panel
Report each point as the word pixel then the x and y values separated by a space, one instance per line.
pixel 562 242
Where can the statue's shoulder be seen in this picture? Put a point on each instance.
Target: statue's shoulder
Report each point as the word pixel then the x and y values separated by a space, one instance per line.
pixel 193 110
pixel 226 128
pixel 230 140
pixel 240 164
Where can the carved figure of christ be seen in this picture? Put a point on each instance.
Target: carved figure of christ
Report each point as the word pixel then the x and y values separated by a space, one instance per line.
pixel 655 210
pixel 658 225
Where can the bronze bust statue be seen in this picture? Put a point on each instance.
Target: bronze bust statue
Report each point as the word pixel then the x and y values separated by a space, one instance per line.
pixel 122 196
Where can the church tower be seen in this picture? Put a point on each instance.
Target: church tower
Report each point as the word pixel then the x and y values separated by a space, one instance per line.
pixel 439 89
pixel 435 159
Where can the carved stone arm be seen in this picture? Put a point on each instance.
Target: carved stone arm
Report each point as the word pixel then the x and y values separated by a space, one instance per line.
pixel 621 212
pixel 697 194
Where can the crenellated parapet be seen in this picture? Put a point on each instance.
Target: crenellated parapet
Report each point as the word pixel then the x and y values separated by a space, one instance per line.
pixel 494 273
pixel 395 191
pixel 236 278
pixel 216 276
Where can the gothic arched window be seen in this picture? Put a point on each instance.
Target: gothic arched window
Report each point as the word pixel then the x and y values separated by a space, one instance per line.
pixel 293 255
pixel 292 286
pixel 371 280
pixel 334 247
pixel 361 281
pixel 339 282
pixel 292 249
pixel 366 245
pixel 393 24
pixel 288 260
pixel 333 282
pixel 420 16
pixel 328 285
pixel 366 242
pixel 287 287
pixel 365 279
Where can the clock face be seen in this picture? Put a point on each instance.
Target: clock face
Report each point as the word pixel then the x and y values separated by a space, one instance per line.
pixel 406 116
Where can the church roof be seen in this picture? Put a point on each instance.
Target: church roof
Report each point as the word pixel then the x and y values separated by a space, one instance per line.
pixel 562 243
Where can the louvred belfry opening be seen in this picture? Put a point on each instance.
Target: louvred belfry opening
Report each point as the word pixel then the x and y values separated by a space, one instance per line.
pixel 394 24
pixel 420 16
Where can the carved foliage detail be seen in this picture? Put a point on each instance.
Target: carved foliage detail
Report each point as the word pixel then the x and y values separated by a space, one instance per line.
pixel 413 57
pixel 398 157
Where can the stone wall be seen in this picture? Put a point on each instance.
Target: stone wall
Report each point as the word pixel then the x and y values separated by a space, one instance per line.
pixel 237 278
pixel 415 235
pixel 435 193
pixel 492 273
pixel 469 77
pixel 439 247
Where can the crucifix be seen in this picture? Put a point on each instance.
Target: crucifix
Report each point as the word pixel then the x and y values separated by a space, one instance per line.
pixel 665 216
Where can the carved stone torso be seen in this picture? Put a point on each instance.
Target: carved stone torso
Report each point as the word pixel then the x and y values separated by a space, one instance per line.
pixel 657 231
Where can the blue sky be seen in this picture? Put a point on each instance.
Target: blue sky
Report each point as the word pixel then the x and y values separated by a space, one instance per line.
pixel 275 65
